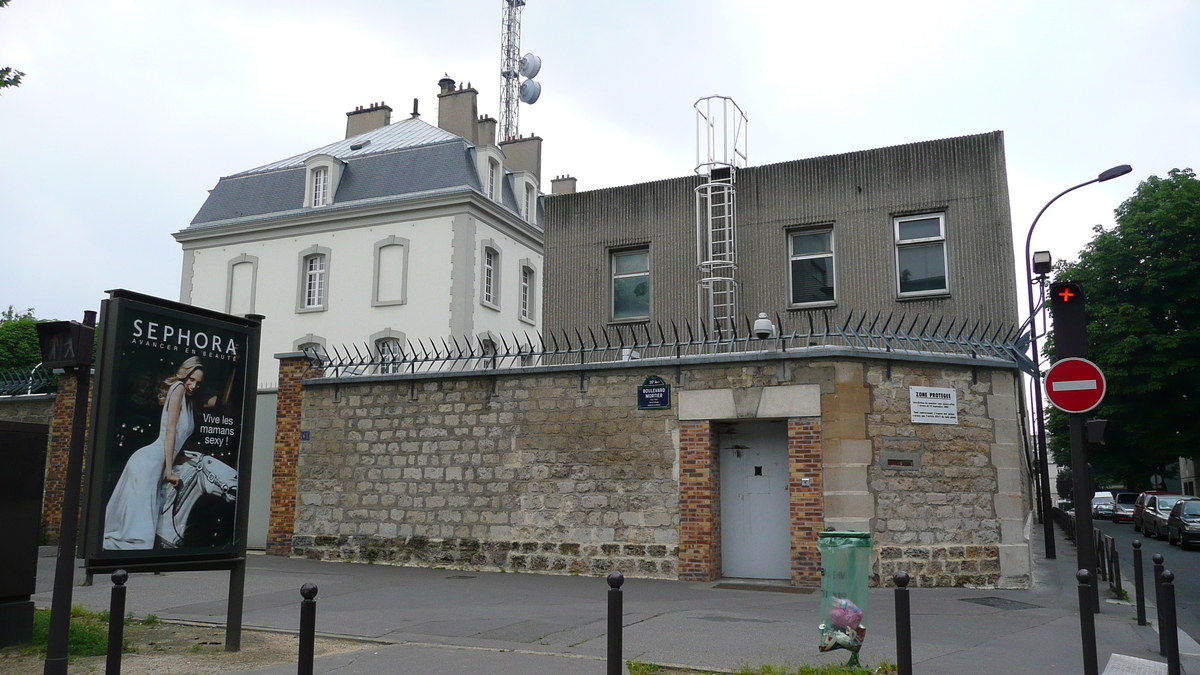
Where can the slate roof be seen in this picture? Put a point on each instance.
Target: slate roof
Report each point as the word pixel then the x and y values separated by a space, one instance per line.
pixel 405 160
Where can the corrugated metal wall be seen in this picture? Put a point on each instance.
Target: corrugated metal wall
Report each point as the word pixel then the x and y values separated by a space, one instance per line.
pixel 856 193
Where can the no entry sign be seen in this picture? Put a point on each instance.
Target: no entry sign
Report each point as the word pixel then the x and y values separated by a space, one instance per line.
pixel 1075 385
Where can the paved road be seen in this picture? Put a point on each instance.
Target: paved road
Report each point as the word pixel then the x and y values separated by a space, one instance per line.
pixel 1185 565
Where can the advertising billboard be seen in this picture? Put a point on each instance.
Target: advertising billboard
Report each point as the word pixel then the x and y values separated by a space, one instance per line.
pixel 167 475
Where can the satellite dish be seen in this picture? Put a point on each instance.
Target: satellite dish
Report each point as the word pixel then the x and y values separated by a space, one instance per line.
pixel 530 91
pixel 530 65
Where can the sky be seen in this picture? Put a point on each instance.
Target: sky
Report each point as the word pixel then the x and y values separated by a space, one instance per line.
pixel 132 109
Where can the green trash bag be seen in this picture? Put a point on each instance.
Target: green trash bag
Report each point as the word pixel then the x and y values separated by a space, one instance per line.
pixel 845 570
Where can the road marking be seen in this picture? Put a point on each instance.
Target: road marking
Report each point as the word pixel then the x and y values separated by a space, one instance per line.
pixel 1073 385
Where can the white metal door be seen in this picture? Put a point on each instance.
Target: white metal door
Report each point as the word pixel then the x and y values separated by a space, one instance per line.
pixel 755 530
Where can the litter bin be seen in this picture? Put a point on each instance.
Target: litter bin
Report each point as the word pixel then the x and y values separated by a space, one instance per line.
pixel 845 568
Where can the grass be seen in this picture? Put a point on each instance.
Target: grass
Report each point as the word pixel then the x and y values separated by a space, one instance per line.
pixel 87 635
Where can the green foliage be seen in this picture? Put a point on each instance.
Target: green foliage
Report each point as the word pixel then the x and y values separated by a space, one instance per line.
pixel 1141 280
pixel 8 76
pixel 18 339
pixel 87 636
pixel 641 667
pixel 151 620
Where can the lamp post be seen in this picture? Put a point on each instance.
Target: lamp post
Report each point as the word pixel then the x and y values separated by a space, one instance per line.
pixel 1039 419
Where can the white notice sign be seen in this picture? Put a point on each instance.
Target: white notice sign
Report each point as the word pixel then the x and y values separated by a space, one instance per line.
pixel 933 405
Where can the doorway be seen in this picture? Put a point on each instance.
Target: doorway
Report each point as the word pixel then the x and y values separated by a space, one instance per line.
pixel 755 503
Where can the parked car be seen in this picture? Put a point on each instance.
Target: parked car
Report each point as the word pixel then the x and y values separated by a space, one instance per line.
pixel 1140 505
pixel 1154 515
pixel 1102 506
pixel 1123 507
pixel 1183 524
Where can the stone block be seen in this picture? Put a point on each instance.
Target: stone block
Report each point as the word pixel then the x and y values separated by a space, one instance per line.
pixel 707 404
pixel 848 451
pixel 843 425
pixel 1016 563
pixel 857 505
pixel 845 478
pixel 1010 506
pixel 798 400
pixel 1006 455
pixel 1009 480
pixel 1002 407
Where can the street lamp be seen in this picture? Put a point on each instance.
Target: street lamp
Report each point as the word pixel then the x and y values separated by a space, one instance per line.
pixel 1043 267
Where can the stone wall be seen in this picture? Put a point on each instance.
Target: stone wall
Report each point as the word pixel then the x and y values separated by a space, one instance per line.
pixel 524 472
pixel 946 519
pixel 559 471
pixel 34 409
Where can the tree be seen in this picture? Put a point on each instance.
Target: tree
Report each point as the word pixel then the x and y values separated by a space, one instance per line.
pixel 9 77
pixel 1141 280
pixel 18 339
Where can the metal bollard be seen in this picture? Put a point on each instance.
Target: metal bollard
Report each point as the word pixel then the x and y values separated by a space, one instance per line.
pixel 1139 584
pixel 1087 623
pixel 903 625
pixel 1158 602
pixel 1101 568
pixel 616 615
pixel 1169 625
pixel 1115 556
pixel 116 623
pixel 308 629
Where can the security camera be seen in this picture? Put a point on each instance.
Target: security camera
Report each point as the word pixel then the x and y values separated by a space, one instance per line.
pixel 763 328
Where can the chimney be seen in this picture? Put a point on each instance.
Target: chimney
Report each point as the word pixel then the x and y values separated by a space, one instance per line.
pixel 486 131
pixel 458 109
pixel 364 119
pixel 562 185
pixel 525 154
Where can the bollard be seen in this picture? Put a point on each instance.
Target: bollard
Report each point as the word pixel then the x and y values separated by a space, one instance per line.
pixel 116 623
pixel 616 614
pixel 1087 623
pixel 903 625
pixel 1139 584
pixel 1158 602
pixel 1101 568
pixel 1116 568
pixel 308 629
pixel 1170 624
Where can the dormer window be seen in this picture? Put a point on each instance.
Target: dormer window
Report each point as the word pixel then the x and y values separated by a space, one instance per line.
pixel 494 179
pixel 320 195
pixel 322 173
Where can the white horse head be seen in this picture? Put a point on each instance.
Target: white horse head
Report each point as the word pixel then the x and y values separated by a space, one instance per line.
pixel 198 475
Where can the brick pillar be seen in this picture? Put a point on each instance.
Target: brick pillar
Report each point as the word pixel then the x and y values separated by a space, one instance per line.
pixel 287 452
pixel 807 502
pixel 699 502
pixel 59 446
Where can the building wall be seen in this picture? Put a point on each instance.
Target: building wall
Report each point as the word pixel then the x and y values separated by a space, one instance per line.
pixel 857 194
pixel 435 260
pixel 34 409
pixel 559 471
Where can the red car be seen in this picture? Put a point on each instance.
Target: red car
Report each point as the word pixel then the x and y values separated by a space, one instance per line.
pixel 1140 505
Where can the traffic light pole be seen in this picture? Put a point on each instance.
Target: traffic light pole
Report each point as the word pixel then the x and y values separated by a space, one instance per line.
pixel 1081 477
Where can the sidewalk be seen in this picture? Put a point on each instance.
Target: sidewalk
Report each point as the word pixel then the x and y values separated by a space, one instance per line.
pixel 430 621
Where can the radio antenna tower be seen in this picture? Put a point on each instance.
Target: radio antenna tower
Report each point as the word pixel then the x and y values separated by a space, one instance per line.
pixel 512 67
pixel 720 152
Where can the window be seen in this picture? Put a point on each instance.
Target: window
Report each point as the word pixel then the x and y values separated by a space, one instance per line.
pixel 921 254
pixel 390 354
pixel 314 281
pixel 530 203
pixel 241 287
pixel 494 179
pixel 312 286
pixel 320 195
pixel 812 267
pixel 526 294
pixel 489 287
pixel 631 284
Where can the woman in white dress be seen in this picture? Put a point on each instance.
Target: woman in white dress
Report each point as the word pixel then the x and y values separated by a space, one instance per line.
pixel 131 518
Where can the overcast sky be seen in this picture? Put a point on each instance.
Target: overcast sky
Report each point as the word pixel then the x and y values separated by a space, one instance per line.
pixel 132 109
